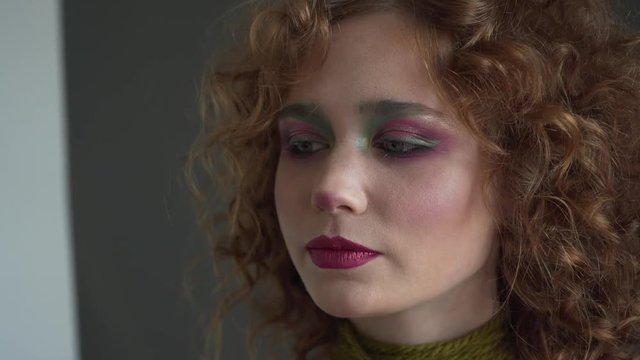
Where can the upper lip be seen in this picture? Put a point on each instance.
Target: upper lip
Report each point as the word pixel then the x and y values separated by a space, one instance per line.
pixel 336 243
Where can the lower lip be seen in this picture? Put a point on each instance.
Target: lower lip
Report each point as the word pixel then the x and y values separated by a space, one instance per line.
pixel 340 259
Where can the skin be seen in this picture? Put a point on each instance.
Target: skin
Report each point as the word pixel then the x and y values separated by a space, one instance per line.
pixel 369 154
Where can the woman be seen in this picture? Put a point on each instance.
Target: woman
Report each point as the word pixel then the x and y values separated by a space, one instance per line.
pixel 429 179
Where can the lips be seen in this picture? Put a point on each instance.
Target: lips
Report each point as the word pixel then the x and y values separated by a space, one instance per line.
pixel 338 253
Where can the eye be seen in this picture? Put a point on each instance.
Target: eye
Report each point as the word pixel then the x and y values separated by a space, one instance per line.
pixel 404 146
pixel 301 146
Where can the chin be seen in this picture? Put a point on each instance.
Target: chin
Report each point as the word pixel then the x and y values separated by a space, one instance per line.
pixel 353 303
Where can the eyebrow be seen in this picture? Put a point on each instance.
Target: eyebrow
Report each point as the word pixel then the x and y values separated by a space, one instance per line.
pixel 378 110
pixel 385 108
pixel 308 112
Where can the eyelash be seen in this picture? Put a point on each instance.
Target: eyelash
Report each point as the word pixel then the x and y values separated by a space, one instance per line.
pixel 409 146
pixel 293 147
pixel 297 139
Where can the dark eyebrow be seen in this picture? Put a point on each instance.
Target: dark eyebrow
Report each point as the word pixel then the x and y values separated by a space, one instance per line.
pixel 384 108
pixel 378 110
pixel 302 111
pixel 308 112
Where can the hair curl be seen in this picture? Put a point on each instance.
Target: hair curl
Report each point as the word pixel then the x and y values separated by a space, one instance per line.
pixel 551 90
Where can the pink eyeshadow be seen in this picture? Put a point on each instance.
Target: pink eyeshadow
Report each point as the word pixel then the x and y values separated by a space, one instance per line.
pixel 427 131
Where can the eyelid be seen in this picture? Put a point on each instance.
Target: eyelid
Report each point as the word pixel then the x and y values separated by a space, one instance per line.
pixel 414 141
pixel 295 140
pixel 288 123
pixel 407 134
pixel 304 134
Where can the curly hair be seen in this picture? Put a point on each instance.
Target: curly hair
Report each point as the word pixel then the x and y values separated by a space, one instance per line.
pixel 551 91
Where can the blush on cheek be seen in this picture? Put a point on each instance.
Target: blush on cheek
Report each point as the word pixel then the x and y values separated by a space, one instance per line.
pixel 439 201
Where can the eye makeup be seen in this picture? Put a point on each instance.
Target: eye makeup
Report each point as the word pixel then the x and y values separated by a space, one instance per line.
pixel 301 140
pixel 309 113
pixel 380 112
pixel 403 129
pixel 397 129
pixel 304 130
pixel 406 138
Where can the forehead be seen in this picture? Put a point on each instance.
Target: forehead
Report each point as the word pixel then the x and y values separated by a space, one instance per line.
pixel 372 56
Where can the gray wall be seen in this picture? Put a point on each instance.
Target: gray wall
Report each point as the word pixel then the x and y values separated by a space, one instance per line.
pixel 132 70
pixel 37 319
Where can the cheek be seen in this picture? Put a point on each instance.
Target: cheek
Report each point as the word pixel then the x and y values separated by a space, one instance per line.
pixel 438 202
pixel 442 221
pixel 287 196
pixel 281 197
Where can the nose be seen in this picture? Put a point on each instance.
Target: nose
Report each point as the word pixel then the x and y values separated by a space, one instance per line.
pixel 341 186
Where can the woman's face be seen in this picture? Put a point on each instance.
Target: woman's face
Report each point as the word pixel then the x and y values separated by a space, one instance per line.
pixel 368 155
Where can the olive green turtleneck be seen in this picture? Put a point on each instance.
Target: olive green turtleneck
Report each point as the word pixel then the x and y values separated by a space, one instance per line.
pixel 489 342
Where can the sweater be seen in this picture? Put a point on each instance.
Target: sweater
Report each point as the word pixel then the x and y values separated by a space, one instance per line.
pixel 488 342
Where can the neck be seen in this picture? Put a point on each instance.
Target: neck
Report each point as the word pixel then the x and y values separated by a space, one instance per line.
pixel 488 342
pixel 449 316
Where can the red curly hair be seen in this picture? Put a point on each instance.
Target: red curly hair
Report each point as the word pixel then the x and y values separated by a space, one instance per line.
pixel 551 90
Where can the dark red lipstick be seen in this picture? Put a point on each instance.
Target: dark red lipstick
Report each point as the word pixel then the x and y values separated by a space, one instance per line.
pixel 338 253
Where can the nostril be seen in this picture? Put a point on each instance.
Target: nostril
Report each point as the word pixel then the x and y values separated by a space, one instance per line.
pixel 324 201
pixel 340 191
pixel 330 202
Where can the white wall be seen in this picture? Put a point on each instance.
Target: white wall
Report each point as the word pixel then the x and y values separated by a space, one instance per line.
pixel 37 316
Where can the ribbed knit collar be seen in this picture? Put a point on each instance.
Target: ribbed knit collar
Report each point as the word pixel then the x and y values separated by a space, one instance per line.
pixel 489 342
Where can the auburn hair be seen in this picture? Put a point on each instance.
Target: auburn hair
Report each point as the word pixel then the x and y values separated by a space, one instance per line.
pixel 551 90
